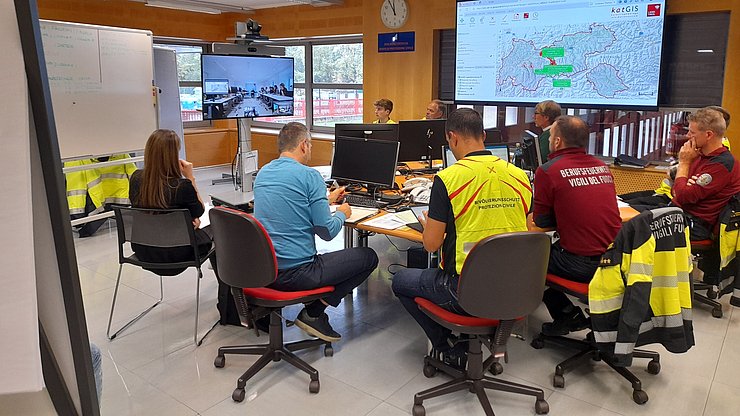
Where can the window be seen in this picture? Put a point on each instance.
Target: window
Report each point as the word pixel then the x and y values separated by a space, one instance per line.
pixel 191 90
pixel 329 72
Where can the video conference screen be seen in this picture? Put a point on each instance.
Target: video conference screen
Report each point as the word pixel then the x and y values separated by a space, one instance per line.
pixel 237 86
pixel 586 52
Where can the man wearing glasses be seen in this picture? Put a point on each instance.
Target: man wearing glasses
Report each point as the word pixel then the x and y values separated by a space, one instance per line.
pixel 545 114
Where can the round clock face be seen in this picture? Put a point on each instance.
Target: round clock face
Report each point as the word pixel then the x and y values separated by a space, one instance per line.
pixel 394 13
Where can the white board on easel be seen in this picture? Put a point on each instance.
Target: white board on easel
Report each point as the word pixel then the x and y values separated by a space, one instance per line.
pixel 101 87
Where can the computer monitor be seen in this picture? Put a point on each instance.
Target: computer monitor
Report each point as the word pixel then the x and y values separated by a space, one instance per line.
pixel 421 139
pixel 375 131
pixel 531 154
pixel 500 150
pixel 365 161
pixel 215 86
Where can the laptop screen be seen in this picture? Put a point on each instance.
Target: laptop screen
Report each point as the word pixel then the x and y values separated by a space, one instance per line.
pixel 500 150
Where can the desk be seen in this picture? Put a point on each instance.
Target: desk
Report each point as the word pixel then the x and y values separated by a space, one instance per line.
pixel 626 213
pixel 217 108
pixel 277 102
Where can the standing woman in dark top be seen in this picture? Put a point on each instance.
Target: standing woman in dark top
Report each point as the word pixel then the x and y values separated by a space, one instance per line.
pixel 166 182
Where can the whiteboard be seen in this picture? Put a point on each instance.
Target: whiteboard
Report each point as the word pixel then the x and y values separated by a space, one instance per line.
pixel 101 87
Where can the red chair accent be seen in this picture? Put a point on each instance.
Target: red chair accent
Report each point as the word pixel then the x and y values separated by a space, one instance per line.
pixel 501 281
pixel 587 347
pixel 247 263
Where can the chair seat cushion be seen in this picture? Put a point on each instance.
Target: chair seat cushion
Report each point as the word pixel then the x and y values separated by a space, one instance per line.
pixel 576 288
pixel 266 293
pixel 453 317
pixel 702 244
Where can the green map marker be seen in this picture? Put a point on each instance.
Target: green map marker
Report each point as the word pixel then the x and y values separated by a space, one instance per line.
pixel 553 69
pixel 562 83
pixel 553 52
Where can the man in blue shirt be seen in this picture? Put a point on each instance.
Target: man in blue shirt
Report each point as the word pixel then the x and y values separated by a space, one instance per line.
pixel 291 203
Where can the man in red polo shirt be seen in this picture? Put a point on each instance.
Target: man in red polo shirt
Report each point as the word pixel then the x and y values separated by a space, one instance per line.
pixel 573 194
pixel 708 175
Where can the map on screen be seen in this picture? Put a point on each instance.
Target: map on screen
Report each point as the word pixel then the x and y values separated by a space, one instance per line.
pixel 597 52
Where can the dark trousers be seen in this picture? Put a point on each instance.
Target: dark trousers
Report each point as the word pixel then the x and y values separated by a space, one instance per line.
pixel 568 266
pixel 344 269
pixel 434 285
pixel 709 261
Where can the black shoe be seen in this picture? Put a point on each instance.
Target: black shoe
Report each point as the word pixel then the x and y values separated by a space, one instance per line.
pixel 576 322
pixel 318 327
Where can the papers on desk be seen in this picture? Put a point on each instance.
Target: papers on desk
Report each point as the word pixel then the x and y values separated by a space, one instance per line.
pixel 358 213
pixel 385 222
pixel 622 204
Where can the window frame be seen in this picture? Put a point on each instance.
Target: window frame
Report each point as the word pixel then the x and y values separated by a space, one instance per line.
pixel 309 85
pixel 205 49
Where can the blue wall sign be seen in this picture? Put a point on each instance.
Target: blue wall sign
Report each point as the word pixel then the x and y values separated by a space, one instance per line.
pixel 396 42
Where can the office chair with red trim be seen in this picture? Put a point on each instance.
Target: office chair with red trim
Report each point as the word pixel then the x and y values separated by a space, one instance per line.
pixel 247 263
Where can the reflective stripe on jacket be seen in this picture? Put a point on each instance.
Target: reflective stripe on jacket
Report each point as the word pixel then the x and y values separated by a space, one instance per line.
pixel 489 196
pixel 641 293
pixel 81 183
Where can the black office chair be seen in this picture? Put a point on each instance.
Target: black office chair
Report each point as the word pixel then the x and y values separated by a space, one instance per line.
pixel 587 348
pixel 247 263
pixel 501 281
pixel 700 248
pixel 170 229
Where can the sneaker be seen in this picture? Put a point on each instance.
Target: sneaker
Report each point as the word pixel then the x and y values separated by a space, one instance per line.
pixel 318 327
pixel 576 322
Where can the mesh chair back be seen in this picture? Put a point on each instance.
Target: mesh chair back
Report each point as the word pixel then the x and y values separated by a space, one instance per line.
pixel 155 227
pixel 504 275
pixel 246 258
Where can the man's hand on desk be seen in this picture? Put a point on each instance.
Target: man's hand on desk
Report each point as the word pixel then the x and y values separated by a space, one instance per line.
pixel 346 209
pixel 336 195
pixel 423 218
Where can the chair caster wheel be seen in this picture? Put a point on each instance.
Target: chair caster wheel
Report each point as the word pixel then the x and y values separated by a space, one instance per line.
pixel 541 407
pixel 418 410
pixel 219 362
pixel 537 343
pixel 314 386
pixel 639 396
pixel 429 370
pixel 496 369
pixel 711 293
pixel 558 381
pixel 717 312
pixel 653 367
pixel 238 395
pixel 328 351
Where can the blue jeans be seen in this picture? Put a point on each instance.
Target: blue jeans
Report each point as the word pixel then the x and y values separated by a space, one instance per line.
pixel 434 285
pixel 344 269
pixel 97 362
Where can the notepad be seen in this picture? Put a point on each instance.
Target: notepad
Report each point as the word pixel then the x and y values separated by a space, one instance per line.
pixel 386 222
pixel 358 213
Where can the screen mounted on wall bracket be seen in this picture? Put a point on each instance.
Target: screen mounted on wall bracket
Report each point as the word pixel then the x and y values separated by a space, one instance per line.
pixel 576 52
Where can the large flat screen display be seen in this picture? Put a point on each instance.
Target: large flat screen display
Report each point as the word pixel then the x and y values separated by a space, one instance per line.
pixel 246 86
pixel 580 52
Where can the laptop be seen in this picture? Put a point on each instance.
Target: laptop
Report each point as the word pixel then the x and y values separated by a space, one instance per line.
pixel 500 150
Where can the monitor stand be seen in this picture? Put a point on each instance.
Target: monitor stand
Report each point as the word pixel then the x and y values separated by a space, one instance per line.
pixel 246 166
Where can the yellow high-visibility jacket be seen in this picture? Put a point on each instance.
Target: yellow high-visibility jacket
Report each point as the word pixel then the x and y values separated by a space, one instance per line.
pixel 729 246
pixel 641 293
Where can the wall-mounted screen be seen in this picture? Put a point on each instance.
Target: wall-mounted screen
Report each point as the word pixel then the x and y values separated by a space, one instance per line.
pixel 576 52
pixel 236 86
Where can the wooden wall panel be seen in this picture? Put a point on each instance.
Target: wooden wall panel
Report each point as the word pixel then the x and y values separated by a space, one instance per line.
pixel 266 145
pixel 208 147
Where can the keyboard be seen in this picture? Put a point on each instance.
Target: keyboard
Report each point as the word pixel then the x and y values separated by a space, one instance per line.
pixel 363 201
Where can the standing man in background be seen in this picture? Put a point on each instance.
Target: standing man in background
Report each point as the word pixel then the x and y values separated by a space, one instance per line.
pixel 545 114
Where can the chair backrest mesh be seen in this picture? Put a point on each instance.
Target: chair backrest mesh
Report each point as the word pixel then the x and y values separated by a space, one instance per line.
pixel 245 255
pixel 504 275
pixel 154 227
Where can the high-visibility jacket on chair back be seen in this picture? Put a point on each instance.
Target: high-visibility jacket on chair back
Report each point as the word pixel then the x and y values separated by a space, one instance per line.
pixel 641 293
pixel 729 246
pixel 488 196
pixel 115 180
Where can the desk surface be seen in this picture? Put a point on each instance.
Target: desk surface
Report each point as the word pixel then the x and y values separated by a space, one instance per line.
pixel 627 213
